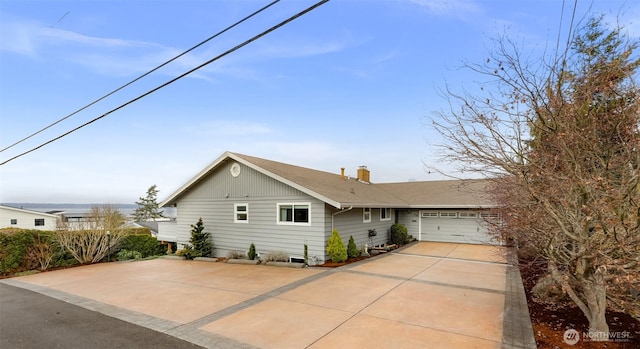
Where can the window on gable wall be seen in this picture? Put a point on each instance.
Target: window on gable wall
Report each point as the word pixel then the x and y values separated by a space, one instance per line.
pixel 241 214
pixel 385 214
pixel 366 214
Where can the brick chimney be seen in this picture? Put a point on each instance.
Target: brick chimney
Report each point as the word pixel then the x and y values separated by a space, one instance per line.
pixel 363 174
pixel 341 172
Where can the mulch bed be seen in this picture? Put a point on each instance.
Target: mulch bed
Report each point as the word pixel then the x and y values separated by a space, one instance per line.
pixel 332 264
pixel 550 322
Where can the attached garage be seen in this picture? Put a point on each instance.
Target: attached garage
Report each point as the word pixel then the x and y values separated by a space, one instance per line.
pixel 462 226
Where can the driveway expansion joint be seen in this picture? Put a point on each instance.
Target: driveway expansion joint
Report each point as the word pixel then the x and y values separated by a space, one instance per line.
pixel 512 318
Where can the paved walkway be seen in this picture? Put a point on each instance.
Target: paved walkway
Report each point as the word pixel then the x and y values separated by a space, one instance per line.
pixel 433 295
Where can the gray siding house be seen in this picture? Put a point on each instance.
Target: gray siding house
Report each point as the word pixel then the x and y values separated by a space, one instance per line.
pixel 281 207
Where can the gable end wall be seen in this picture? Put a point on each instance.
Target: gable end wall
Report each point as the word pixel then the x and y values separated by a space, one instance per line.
pixel 213 200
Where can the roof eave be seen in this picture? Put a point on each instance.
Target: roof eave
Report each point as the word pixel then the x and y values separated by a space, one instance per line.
pixel 176 194
pixel 171 198
pixel 297 186
pixel 465 206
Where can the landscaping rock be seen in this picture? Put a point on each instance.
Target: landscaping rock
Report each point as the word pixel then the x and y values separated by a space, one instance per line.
pixel 285 264
pixel 243 261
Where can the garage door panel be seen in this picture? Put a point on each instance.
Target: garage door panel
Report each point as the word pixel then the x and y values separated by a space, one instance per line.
pixel 451 228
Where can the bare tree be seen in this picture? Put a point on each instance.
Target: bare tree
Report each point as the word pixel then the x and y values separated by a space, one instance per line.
pixel 99 234
pixel 559 138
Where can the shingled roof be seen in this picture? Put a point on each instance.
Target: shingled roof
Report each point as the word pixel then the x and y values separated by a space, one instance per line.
pixel 343 191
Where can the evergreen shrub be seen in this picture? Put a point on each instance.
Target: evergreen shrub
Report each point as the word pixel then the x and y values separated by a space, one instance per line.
pixel 352 248
pixel 252 252
pixel 398 234
pixel 335 248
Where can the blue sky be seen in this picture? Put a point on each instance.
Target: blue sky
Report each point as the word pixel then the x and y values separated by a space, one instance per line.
pixel 351 83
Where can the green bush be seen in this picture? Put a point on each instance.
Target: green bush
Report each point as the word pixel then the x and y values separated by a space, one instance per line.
pixel 201 240
pixel 188 252
pixel 398 234
pixel 252 252
pixel 352 248
pixel 13 249
pixel 125 255
pixel 335 248
pixel 138 231
pixel 146 245
pixel 22 249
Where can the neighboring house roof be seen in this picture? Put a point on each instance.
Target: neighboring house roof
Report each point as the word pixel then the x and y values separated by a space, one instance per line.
pixel 10 208
pixel 343 191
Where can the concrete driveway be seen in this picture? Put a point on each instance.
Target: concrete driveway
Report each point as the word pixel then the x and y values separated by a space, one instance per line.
pixel 435 295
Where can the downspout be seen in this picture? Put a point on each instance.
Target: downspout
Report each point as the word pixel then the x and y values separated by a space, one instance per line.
pixel 339 212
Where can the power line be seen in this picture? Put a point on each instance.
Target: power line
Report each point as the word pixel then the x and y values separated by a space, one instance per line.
pixel 143 75
pixel 237 47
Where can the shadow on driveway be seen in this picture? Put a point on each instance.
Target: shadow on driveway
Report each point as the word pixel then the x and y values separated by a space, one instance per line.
pixel 31 320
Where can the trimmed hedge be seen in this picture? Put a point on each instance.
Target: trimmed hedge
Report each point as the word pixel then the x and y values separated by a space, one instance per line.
pixel 398 234
pixel 138 231
pixel 22 250
pixel 146 245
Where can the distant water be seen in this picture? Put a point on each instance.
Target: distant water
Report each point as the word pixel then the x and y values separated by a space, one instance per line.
pixel 125 209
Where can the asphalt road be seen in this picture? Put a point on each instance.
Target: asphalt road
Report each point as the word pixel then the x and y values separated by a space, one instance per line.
pixel 31 320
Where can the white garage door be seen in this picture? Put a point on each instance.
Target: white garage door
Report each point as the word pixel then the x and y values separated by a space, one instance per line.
pixel 453 226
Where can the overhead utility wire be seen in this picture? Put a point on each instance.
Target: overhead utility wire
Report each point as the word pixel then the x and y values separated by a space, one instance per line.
pixel 277 26
pixel 143 75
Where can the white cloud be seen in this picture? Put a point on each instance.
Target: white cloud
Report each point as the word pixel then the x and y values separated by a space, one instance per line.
pixel 29 37
pixel 229 129
pixel 457 8
pixel 300 49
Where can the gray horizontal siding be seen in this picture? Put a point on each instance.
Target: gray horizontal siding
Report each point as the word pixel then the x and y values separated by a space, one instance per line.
pixel 220 184
pixel 213 200
pixel 411 220
pixel 350 223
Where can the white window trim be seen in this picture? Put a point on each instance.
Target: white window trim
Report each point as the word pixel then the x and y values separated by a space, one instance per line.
pixel 294 204
pixel 467 215
pixel 388 218
pixel 235 213
pixel 366 211
pixel 490 215
pixel 430 214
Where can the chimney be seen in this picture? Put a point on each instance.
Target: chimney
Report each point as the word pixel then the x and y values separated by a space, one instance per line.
pixel 363 174
pixel 341 172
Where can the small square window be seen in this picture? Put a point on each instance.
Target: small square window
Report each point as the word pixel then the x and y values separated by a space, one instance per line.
pixel 241 214
pixel 385 214
pixel 39 222
pixel 14 221
pixel 366 214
